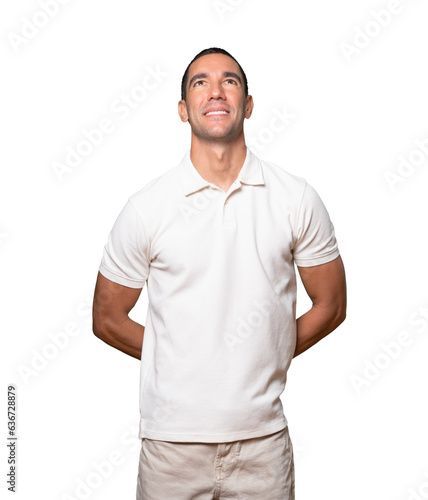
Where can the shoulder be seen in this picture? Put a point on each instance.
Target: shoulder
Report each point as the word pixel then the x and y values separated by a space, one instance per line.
pixel 157 186
pixel 281 181
pixel 154 194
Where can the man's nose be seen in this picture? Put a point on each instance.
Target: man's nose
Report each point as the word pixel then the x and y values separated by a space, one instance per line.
pixel 217 90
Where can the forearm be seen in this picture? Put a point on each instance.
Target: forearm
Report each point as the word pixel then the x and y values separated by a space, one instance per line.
pixel 126 336
pixel 316 324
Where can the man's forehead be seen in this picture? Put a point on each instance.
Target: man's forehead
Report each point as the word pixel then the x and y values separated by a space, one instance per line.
pixel 213 63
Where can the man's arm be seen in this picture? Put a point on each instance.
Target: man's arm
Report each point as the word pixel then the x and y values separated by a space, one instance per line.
pixel 110 320
pixel 326 286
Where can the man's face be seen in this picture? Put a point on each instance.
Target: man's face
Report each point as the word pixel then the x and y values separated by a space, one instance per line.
pixel 215 103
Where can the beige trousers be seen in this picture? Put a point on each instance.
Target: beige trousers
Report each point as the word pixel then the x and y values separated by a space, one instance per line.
pixel 260 468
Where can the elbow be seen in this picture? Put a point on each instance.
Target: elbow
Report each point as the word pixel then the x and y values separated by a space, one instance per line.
pixel 340 315
pixel 101 323
pixel 98 327
pixel 96 330
pixel 105 329
pixel 333 314
pixel 342 318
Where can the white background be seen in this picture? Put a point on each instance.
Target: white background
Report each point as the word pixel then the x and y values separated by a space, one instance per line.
pixel 358 433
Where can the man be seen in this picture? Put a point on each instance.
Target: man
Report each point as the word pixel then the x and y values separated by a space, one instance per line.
pixel 216 239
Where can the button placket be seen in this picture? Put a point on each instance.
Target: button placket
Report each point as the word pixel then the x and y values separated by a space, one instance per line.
pixel 227 208
pixel 227 213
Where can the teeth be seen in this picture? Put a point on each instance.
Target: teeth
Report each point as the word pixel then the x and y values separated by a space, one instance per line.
pixel 217 113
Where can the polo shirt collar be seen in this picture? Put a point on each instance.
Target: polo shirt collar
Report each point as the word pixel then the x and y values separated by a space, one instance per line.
pixel 191 180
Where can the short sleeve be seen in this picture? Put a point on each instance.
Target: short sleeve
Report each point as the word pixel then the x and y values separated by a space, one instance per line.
pixel 314 237
pixel 126 256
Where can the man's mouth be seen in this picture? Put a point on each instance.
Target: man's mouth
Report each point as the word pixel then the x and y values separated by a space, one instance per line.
pixel 217 112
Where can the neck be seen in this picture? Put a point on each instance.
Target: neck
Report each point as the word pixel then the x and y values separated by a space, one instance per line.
pixel 218 162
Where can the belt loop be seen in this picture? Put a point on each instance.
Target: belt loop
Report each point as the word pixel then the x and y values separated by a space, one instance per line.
pixel 238 447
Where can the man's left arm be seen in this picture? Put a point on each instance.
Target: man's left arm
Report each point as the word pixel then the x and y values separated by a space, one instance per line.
pixel 326 286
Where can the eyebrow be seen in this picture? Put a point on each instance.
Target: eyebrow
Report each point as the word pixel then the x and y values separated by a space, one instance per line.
pixel 225 75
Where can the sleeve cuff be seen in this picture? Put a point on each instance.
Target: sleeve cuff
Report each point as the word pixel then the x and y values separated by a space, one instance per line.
pixel 318 260
pixel 120 280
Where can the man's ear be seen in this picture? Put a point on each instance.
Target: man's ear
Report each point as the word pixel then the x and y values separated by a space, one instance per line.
pixel 249 105
pixel 182 110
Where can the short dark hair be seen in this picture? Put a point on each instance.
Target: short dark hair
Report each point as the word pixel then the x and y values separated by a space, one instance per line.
pixel 212 50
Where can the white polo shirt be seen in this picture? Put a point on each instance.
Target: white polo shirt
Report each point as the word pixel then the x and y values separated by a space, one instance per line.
pixel 220 331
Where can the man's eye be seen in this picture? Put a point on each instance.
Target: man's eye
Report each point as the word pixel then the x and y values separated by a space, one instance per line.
pixel 196 83
pixel 233 81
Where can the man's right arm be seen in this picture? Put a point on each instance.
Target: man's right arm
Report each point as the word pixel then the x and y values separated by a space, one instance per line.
pixel 110 321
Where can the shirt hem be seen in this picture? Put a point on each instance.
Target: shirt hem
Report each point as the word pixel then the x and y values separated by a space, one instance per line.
pixel 212 438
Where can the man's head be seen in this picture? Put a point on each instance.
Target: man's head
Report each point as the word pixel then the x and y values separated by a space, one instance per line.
pixel 205 52
pixel 215 97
